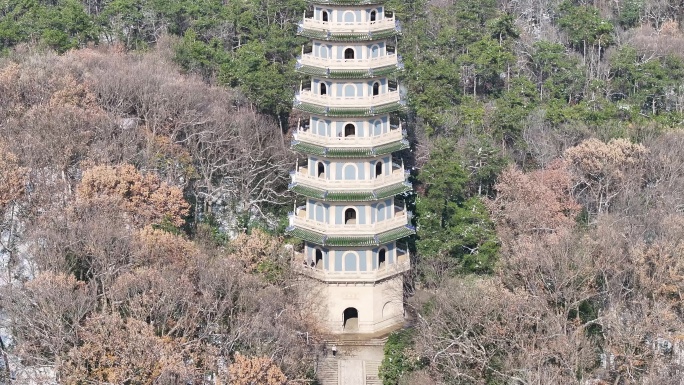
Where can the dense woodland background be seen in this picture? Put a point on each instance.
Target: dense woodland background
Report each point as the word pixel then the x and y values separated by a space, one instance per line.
pixel 143 189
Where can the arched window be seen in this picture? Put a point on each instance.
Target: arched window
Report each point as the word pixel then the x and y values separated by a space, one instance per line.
pixel 321 170
pixel 324 52
pixel 324 15
pixel 349 217
pixel 350 261
pixel 376 89
pixel 349 130
pixel 319 212
pixel 324 89
pixel 319 259
pixel 349 17
pixel 377 128
pixel 382 210
pixel 382 257
pixel 373 15
pixel 375 51
pixel 350 90
pixel 322 128
pixel 349 53
pixel 378 169
pixel 350 171
pixel 350 321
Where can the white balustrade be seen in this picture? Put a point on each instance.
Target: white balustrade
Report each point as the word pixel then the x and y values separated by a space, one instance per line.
pixel 398 220
pixel 311 60
pixel 393 135
pixel 302 177
pixel 402 265
pixel 306 96
pixel 349 27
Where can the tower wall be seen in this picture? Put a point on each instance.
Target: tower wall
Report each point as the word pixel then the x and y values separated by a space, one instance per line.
pixel 348 217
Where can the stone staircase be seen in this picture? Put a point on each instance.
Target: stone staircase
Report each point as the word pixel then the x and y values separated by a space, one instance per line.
pixel 327 371
pixel 356 363
pixel 372 377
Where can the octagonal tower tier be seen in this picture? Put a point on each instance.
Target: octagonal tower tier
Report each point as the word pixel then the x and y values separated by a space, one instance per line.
pixel 350 222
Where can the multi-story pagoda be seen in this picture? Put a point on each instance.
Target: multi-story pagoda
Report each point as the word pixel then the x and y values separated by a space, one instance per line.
pixel 351 221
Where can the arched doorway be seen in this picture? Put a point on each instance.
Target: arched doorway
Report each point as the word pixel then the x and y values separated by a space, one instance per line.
pixel 349 53
pixel 376 89
pixel 349 130
pixel 321 170
pixel 373 15
pixel 351 320
pixel 319 259
pixel 324 15
pixel 349 217
pixel 324 89
pixel 382 258
pixel 378 169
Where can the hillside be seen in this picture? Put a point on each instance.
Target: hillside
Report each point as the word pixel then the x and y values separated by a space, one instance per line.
pixel 144 164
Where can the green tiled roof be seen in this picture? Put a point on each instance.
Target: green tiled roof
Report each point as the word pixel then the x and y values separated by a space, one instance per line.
pixel 349 112
pixel 313 71
pixel 347 74
pixel 348 152
pixel 395 234
pixel 347 196
pixel 306 235
pixel 330 36
pixel 350 241
pixel 391 147
pixel 307 148
pixel 387 108
pixel 391 191
pixel 311 108
pixel 308 191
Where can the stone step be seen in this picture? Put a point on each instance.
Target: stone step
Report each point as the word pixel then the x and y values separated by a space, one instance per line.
pixel 327 371
pixel 354 342
pixel 372 372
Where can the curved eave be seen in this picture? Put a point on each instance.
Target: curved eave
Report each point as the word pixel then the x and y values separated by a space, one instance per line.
pixel 348 74
pixel 349 36
pixel 350 241
pixel 349 196
pixel 346 152
pixel 350 112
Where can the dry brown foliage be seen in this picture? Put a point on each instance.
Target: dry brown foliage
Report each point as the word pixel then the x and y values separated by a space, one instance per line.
pixel 47 312
pixel 13 178
pixel 255 370
pixel 118 351
pixel 144 197
pixel 255 248
pixel 600 170
pixel 534 203
pixel 155 247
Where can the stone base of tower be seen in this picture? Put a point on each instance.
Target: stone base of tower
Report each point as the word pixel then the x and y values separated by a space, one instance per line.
pixel 354 307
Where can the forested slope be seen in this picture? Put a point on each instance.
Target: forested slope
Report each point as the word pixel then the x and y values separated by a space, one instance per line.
pixel 140 138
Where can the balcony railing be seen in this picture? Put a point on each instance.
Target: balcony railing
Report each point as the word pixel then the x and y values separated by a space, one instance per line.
pixel 307 96
pixel 399 219
pixel 402 265
pixel 309 59
pixel 394 135
pixel 349 27
pixel 397 175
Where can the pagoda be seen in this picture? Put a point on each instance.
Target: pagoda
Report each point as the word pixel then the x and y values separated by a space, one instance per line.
pixel 350 221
